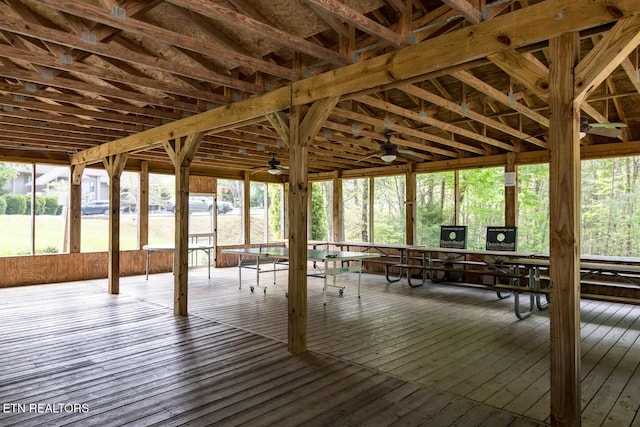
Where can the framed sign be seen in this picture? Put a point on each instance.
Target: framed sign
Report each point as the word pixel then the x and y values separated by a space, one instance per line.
pixel 501 238
pixel 453 236
pixel 509 179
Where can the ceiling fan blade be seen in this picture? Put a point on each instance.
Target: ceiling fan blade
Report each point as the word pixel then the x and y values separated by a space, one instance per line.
pixel 368 157
pixel 603 131
pixel 607 125
pixel 257 170
pixel 408 154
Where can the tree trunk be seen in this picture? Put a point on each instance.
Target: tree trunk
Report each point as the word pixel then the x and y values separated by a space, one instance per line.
pixel 364 210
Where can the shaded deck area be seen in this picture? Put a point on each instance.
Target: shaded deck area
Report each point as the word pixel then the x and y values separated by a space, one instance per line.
pixel 437 355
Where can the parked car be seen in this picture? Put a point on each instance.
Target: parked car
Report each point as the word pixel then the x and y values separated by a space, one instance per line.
pixel 224 207
pixel 95 207
pixel 201 204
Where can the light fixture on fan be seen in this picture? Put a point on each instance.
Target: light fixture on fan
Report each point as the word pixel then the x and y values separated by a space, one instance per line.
pixel 389 150
pixel 274 165
pixel 608 129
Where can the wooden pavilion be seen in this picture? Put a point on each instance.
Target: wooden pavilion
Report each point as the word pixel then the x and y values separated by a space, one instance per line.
pixel 207 90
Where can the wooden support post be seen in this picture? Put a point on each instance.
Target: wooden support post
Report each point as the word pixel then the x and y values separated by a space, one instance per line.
pixel 511 193
pixel 410 205
pixel 74 214
pixel 310 212
pixel 33 209
pixel 181 258
pixel 246 209
pixel 564 233
pixel 181 153
pixel 143 205
pixel 456 197
pixel 301 133
pixel 371 204
pixel 298 194
pixel 337 208
pixel 298 135
pixel 114 165
pixel 285 211
pixel 265 213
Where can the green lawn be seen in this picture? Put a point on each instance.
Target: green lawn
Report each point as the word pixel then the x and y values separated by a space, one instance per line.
pixel 49 236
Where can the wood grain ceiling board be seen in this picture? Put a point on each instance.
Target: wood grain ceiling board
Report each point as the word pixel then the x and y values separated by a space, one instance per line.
pixel 109 69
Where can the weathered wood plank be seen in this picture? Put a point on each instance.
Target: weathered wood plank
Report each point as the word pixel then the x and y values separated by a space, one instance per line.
pixel 564 232
pixel 130 359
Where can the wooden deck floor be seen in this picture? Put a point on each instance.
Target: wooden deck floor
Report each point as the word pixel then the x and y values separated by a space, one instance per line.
pixel 437 355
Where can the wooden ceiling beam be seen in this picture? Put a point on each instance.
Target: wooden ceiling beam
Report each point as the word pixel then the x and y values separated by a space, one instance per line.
pixel 316 116
pixel 12 155
pixel 134 9
pixel 632 73
pixel 280 123
pixel 338 26
pixel 89 104
pixel 398 5
pixel 624 133
pixel 466 9
pixel 110 75
pixel 44 126
pixel 466 112
pixel 231 18
pixel 439 124
pixel 141 28
pixel 78 112
pixel 109 92
pixel 115 51
pixel 516 29
pixel 531 74
pixel 534 75
pixel 247 8
pixel 358 20
pixel 423 136
pixel 22 139
pixel 469 79
pixel 214 33
pixel 9 129
pixel 600 62
pixel 58 118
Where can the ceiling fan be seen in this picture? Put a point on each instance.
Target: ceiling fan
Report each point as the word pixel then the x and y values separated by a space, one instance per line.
pixel 389 152
pixel 274 166
pixel 611 130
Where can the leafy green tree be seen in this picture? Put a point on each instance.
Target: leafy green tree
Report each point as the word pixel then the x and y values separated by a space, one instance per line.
pixel 431 217
pixel 16 204
pixel 533 208
pixel 51 206
pixel 435 205
pixel 275 210
pixel 355 194
pixel 318 214
pixel 610 217
pixel 481 203
pixel 389 216
pixel 40 204
pixel 7 173
pixel 257 195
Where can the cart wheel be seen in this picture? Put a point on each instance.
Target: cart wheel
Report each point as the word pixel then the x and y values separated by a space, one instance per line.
pixel 251 287
pixel 341 291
